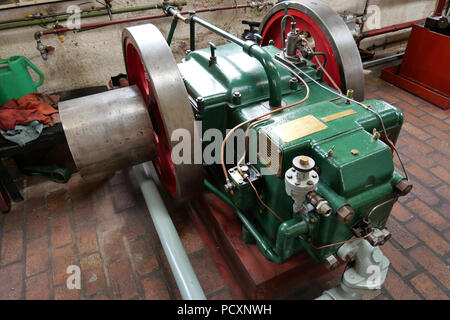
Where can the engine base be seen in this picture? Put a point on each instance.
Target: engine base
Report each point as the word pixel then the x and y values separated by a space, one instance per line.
pixel 256 277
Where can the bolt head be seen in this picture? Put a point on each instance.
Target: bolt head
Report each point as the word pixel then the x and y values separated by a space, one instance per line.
pixel 331 262
pixel 350 257
pixel 403 187
pixel 345 214
pixel 354 152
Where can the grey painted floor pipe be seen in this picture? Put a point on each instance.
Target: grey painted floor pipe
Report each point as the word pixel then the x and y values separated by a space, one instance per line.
pixel 180 265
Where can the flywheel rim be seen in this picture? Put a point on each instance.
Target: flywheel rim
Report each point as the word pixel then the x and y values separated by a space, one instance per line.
pixel 344 62
pixel 151 66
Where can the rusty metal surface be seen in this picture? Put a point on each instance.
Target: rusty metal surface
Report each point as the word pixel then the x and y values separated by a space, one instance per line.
pixel 108 131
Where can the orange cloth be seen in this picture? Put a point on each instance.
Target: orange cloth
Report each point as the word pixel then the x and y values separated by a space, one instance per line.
pixel 24 110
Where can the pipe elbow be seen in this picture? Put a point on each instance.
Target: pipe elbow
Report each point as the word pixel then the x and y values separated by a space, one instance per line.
pixel 273 75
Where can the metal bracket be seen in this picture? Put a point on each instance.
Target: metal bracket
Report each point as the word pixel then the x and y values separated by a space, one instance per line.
pixel 366 275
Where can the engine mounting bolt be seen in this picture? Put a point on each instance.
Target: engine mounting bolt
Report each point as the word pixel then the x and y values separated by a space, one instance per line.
pixel 310 183
pixel 200 99
pixel 345 214
pixel 289 176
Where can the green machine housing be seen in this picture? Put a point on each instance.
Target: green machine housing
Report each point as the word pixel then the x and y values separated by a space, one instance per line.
pixel 355 166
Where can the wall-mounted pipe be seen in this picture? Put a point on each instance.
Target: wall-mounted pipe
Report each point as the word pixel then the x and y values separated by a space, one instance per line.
pixel 440 7
pixel 43 49
pixel 135 19
pixel 180 265
pixel 395 27
pixel 43 21
pixel 401 26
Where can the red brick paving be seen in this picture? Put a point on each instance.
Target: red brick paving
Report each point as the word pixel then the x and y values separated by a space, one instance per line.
pixel 105 229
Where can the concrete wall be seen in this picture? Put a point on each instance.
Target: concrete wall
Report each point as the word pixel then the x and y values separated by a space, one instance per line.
pixel 92 57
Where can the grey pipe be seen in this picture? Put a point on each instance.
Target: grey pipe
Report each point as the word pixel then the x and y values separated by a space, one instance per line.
pixel 376 62
pixel 180 265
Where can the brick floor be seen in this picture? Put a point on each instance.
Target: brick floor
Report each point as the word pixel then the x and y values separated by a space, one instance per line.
pixel 104 228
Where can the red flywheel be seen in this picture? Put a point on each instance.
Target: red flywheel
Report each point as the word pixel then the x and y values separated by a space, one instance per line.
pixel 330 34
pixel 152 67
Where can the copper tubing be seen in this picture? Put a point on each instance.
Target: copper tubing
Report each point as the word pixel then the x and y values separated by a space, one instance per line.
pixel 338 243
pixel 246 141
pixel 262 202
pixel 324 71
pixel 222 155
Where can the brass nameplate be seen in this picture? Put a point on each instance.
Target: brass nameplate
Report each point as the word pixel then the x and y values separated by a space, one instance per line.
pixel 338 115
pixel 299 128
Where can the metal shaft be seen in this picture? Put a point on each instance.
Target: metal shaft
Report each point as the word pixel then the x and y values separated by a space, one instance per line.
pixel 180 265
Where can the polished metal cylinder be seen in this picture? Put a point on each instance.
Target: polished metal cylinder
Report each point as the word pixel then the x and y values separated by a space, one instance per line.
pixel 108 131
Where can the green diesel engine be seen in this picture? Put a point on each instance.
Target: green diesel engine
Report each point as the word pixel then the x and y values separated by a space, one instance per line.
pixel 280 126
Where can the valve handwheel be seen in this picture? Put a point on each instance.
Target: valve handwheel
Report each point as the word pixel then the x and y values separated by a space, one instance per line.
pixel 152 67
pixel 331 36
